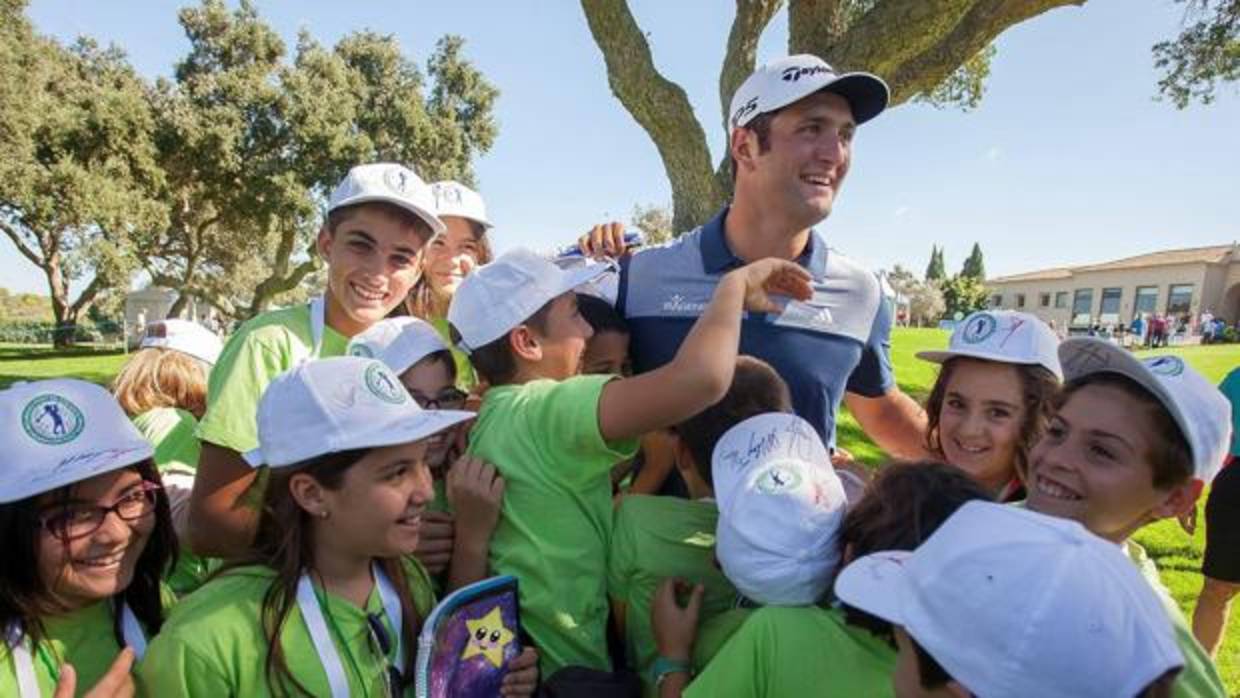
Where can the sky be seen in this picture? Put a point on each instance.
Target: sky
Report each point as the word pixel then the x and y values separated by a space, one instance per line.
pixel 1069 159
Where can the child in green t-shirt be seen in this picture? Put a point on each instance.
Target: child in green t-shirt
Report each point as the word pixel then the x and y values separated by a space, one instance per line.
pixel 331 601
pixel 454 552
pixel 840 651
pixel 1132 441
pixel 555 435
pixel 658 537
pixel 378 219
pixel 88 536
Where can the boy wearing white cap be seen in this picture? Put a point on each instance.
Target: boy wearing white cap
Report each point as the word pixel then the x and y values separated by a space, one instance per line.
pixel 992 397
pixel 1001 601
pixel 555 435
pixel 378 219
pixel 331 600
pixel 88 536
pixel 1132 441
pixel 416 353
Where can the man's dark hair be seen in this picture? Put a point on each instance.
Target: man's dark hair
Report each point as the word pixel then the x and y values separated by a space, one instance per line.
pixel 494 361
pixel 761 126
pixel 756 389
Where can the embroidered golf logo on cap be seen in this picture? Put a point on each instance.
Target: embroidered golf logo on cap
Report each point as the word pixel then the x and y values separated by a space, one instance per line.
pixel 398 179
pixel 381 383
pixel 777 478
pixel 362 350
pixel 52 420
pixel 979 328
pixel 447 195
pixel 1166 366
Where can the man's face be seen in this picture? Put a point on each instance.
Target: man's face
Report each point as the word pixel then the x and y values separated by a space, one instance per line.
pixel 810 149
pixel 371 265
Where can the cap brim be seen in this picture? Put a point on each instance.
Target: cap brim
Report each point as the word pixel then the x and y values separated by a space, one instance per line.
pixel 83 466
pixel 437 226
pixel 1085 356
pixel 583 275
pixel 941 357
pixel 877 584
pixel 866 93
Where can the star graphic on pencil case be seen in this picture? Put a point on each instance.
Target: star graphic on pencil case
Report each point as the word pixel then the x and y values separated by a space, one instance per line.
pixel 488 637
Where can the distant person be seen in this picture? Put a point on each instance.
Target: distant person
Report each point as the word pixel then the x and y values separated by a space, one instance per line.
pixel 1137 328
pixel 1221 565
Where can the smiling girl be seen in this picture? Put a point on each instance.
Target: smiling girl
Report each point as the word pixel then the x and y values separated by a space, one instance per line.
pixel 88 534
pixel 992 397
pixel 331 602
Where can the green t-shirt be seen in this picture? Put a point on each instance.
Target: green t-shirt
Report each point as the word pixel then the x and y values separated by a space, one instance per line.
pixel 1231 389
pixel 262 349
pixel 714 632
pixel 85 638
pixel 1199 678
pixel 215 645
pixel 171 432
pixel 783 652
pixel 653 538
pixel 555 522
pixel 466 379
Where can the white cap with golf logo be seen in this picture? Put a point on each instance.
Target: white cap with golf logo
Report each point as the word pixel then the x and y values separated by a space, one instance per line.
pixel 399 342
pixel 786 80
pixel 339 404
pixel 60 431
pixel 456 199
pixel 1011 602
pixel 1004 336
pixel 780 508
pixel 1196 406
pixel 184 336
pixel 389 182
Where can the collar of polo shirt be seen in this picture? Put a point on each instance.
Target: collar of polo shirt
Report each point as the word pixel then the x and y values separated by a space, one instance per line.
pixel 717 257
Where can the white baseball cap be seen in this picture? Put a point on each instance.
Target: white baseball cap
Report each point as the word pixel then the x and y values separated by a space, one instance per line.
pixel 1015 603
pixel 786 80
pixel 390 182
pixel 1005 336
pixel 456 199
pixel 780 508
pixel 399 342
pixel 1198 408
pixel 183 336
pixel 339 404
pixel 505 293
pixel 60 431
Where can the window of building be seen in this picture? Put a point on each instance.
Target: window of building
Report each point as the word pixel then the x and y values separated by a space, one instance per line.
pixel 1061 299
pixel 996 301
pixel 1082 306
pixel 1179 299
pixel 1108 313
pixel 1020 300
pixel 1145 302
pixel 1044 299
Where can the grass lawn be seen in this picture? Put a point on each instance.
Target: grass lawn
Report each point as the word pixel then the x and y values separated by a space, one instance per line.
pixel 1177 554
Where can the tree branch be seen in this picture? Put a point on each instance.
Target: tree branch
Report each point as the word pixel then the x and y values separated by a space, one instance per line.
pixel 87 296
pixel 659 106
pixel 21 245
pixel 751 19
pixel 275 285
pixel 815 23
pixel 892 32
pixel 980 26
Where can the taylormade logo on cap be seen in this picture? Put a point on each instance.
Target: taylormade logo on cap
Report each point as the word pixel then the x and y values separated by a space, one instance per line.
pixel 786 80
pixel 387 182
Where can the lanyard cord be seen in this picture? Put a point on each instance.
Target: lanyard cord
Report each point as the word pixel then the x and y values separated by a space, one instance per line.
pixel 344 641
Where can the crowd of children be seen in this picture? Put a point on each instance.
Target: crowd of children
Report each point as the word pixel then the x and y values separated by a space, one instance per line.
pixel 277 516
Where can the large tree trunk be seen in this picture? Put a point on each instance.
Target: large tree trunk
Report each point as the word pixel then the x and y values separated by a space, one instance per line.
pixel 913 44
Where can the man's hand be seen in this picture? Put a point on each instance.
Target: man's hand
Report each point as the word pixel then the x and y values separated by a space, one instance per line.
pixel 771 276
pixel 604 240
pixel 116 683
pixel 435 543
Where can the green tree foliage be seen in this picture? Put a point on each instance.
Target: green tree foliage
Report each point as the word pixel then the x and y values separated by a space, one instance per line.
pixel 975 265
pixel 78 167
pixel 963 294
pixel 253 145
pixel 1206 53
pixel 936 270
pixel 655 222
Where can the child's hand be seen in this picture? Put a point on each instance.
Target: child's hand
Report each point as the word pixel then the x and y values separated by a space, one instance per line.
pixel 771 276
pixel 475 491
pixel 116 683
pixel 604 240
pixel 435 542
pixel 522 676
pixel 675 628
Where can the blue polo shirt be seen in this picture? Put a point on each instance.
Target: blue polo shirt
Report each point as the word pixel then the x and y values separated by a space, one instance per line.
pixel 840 340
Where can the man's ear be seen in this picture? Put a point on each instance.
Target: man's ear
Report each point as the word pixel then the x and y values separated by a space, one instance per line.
pixel 524 343
pixel 743 145
pixel 309 495
pixel 1180 499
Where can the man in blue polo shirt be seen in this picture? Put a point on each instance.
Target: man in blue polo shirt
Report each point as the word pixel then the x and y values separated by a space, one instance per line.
pixel 792 125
